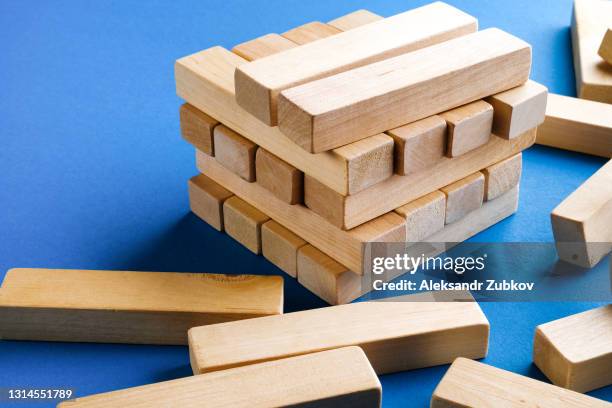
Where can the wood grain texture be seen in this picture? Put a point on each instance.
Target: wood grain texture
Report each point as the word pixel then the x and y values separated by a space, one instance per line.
pixel 280 246
pixel 279 177
pixel 243 223
pixel 424 216
pixel 575 352
pixel 578 125
pixel 581 223
pixel 502 176
pixel 519 109
pixel 464 196
pixel 590 21
pixel 259 83
pixel 128 307
pixel 469 127
pixel 469 383
pixel 310 32
pixel 346 107
pixel 197 128
pixel 347 247
pixel 334 378
pixel 235 152
pixel 605 48
pixel 263 46
pixel 206 200
pixel 355 19
pixel 437 334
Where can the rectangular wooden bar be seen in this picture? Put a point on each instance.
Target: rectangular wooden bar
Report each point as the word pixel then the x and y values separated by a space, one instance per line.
pixel 355 19
pixel 469 126
pixel 463 196
pixel 206 200
pixel 263 46
pixel 243 222
pixel 424 216
pixel 329 379
pixel 279 177
pixel 502 176
pixel 197 128
pixel 605 48
pixel 128 307
pixel 280 246
pixel 310 32
pixel 235 152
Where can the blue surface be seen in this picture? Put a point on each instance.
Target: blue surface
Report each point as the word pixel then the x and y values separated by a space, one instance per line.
pixel 93 171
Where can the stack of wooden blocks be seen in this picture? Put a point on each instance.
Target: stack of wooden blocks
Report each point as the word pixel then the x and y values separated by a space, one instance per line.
pixel 316 143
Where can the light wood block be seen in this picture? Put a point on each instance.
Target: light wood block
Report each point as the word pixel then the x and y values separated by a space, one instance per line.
pixel 575 352
pixel 354 20
pixel 469 127
pixel 310 32
pixel 578 125
pixel 469 383
pixel 346 107
pixel 259 83
pixel 206 200
pixel 519 109
pixel 128 307
pixel 419 145
pixel 332 378
pixel 581 223
pixel 243 223
pixel 347 247
pixel 263 46
pixel 206 80
pixel 437 334
pixel 605 48
pixel 590 21
pixel 235 152
pixel 464 196
pixel 502 177
pixel 197 128
pixel 424 216
pixel 353 210
pixel 280 246
pixel 279 177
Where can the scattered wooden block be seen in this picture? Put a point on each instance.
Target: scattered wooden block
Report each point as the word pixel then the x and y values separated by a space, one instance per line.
pixel 437 334
pixel 502 176
pixel 354 20
pixel 206 200
pixel 463 196
pixel 578 125
pixel 419 145
pixel 589 23
pixel 605 48
pixel 332 378
pixel 243 223
pixel 128 307
pixel 469 127
pixel 310 32
pixel 519 109
pixel 235 152
pixel 575 352
pixel 263 46
pixel 581 223
pixel 424 216
pixel 280 246
pixel 259 83
pixel 279 177
pixel 346 107
pixel 197 128
pixel 468 383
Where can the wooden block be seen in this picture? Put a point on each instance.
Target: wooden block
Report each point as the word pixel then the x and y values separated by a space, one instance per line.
pixel 332 378
pixel 419 145
pixel 437 334
pixel 424 216
pixel 259 83
pixel 347 247
pixel 463 196
pixel 206 80
pixel 280 246
pixel 581 223
pixel 128 307
pixel 263 46
pixel 206 200
pixel 575 352
pixel 519 109
pixel 353 210
pixel 502 177
pixel 605 48
pixel 197 128
pixel 469 127
pixel 243 223
pixel 235 152
pixel 354 20
pixel 590 21
pixel 310 32
pixel 346 107
pixel 578 125
pixel 468 383
pixel 279 177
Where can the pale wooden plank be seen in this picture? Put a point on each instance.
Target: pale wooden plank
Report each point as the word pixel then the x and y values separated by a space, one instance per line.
pixel 355 19
pixel 280 246
pixel 235 152
pixel 332 378
pixel 259 83
pixel 577 124
pixel 605 48
pixel 463 196
pixel 469 127
pixel 310 32
pixel 243 222
pixel 502 177
pixel 128 307
pixel 206 200
pixel 197 128
pixel 468 383
pixel 263 46
pixel 575 352
pixel 279 177
pixel 424 216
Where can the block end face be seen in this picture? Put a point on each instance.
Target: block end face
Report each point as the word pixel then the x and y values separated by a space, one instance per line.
pixel 296 124
pixel 254 97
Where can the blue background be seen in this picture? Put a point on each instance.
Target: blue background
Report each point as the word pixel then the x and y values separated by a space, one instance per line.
pixel 93 171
